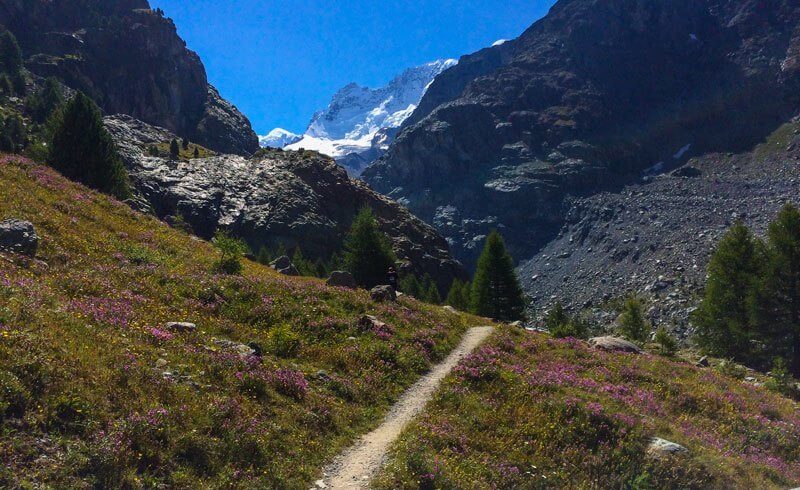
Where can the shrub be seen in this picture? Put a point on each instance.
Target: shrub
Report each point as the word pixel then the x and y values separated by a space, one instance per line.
pixel 458 296
pixel 13 396
pixel 42 104
pixel 69 413
pixel 556 319
pixel 232 250
pixel 666 342
pixel 174 150
pixel 577 327
pixel 284 342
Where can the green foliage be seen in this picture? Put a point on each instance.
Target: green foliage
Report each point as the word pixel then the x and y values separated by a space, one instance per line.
pixel 666 342
pixel 185 143
pixel 560 325
pixel 283 342
pixel 264 256
pixel 10 54
pixel 632 324
pixel 409 284
pixel 13 136
pixel 459 295
pixel 781 380
pixel 14 397
pixel 83 150
pixel 232 250
pixel 723 319
pixel 496 292
pixel 43 103
pixel 556 318
pixel 432 295
pixel 174 150
pixel 196 152
pixel 367 254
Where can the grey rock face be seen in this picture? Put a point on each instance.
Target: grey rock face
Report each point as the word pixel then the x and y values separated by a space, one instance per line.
pixel 661 447
pixel 342 279
pixel 382 294
pixel 139 66
pixel 294 199
pixel 19 237
pixel 585 101
pixel 614 344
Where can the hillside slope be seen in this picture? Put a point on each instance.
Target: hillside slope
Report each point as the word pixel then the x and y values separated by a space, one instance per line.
pixel 584 101
pixel 528 411
pixel 97 391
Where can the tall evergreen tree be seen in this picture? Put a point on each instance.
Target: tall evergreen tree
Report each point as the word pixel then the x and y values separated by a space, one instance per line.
pixel 174 150
pixel 367 254
pixel 777 305
pixel 42 104
pixel 496 291
pixel 13 136
pixel 459 295
pixel 723 319
pixel 10 54
pixel 185 143
pixel 432 294
pixel 83 150
pixel 632 322
pixel 410 285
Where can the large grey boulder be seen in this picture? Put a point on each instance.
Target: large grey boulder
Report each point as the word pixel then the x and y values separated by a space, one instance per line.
pixel 282 262
pixel 342 279
pixel 382 294
pixel 18 236
pixel 614 344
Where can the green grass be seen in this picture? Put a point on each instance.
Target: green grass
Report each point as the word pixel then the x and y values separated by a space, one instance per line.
pixel 777 141
pixel 184 154
pixel 84 397
pixel 530 411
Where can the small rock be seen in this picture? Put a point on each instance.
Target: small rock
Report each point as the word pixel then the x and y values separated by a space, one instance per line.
pixel 161 363
pixel 703 362
pixel 243 350
pixel 661 447
pixel 517 324
pixel 450 309
pixel 320 484
pixel 18 236
pixel 180 327
pixel 614 344
pixel 342 279
pixel 382 294
pixel 369 322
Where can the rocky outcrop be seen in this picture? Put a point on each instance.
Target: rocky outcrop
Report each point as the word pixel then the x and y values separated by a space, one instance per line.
pixel 342 279
pixel 130 60
pixel 614 344
pixel 584 101
pixel 278 198
pixel 19 237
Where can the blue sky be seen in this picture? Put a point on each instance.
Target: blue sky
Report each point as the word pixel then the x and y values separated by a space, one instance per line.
pixel 280 61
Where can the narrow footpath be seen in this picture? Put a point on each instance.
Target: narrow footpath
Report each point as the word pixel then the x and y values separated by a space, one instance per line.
pixel 355 467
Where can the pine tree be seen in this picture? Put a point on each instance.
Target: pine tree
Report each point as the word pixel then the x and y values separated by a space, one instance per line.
pixel 632 323
pixel 185 144
pixel 196 152
pixel 556 319
pixel 432 294
pixel 410 285
pixel 42 104
pixel 11 61
pixel 174 150
pixel 367 254
pixel 723 318
pixel 13 136
pixel 83 150
pixel 777 304
pixel 459 295
pixel 264 256
pixel 496 292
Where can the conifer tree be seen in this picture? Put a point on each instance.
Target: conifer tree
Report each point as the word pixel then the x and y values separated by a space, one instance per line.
pixel 13 136
pixel 723 319
pixel 496 291
pixel 410 285
pixel 174 150
pixel 432 294
pixel 10 54
pixel 777 305
pixel 196 152
pixel 83 150
pixel 367 254
pixel 459 295
pixel 185 143
pixel 556 319
pixel 632 323
pixel 42 104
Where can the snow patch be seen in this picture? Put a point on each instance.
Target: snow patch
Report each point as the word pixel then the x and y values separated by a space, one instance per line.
pixel 682 152
pixel 278 138
pixel 499 42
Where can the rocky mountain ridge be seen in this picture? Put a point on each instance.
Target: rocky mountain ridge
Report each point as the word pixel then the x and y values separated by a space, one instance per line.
pixel 130 60
pixel 585 101
pixel 277 198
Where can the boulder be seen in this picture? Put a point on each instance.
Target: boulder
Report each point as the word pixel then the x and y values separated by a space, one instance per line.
pixel 661 447
pixel 382 294
pixel 289 271
pixel 18 236
pixel 180 327
pixel 703 362
pixel 369 322
pixel 342 279
pixel 614 344
pixel 282 262
pixel 244 351
pixel 450 309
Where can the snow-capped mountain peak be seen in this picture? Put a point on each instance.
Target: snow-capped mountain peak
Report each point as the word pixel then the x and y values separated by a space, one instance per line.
pixel 360 122
pixel 278 138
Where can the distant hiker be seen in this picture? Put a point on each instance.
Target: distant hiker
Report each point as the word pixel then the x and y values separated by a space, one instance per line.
pixel 391 278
